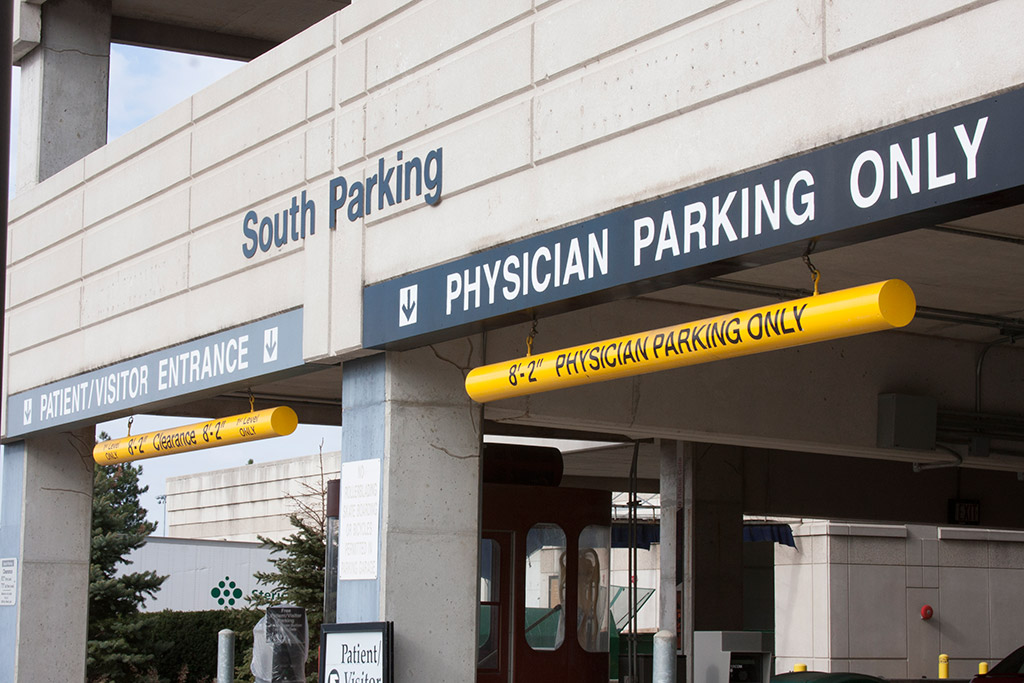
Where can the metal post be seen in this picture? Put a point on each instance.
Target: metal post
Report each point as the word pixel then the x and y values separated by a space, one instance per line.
pixel 633 670
pixel 225 656
pixel 664 657
pixel 665 663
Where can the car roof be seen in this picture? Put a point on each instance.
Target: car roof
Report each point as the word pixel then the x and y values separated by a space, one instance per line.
pixel 821 677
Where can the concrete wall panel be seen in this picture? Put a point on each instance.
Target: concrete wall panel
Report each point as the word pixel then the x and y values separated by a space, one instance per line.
pixel 48 362
pixel 234 188
pixel 216 250
pixel 421 234
pixel 963 593
pixel 350 135
pixel 602 27
pixel 56 268
pixel 123 148
pixel 319 150
pixel 853 23
pixel 440 94
pixel 320 88
pixel 351 72
pixel 1006 595
pixel 162 273
pixel 137 231
pixel 31 324
pixel 262 116
pixel 359 17
pixel 55 221
pixel 146 175
pixel 878 627
pixel 698 65
pixel 346 319
pixel 311 43
pixel 434 29
pixel 317 291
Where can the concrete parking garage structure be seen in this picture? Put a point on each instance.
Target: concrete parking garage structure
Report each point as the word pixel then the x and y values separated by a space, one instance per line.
pixel 713 144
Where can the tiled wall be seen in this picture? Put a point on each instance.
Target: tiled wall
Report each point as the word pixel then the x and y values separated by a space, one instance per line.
pixel 849 598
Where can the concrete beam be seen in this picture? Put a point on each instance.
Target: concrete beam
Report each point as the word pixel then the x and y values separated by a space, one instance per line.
pixel 64 89
pixel 183 39
pixel 28 18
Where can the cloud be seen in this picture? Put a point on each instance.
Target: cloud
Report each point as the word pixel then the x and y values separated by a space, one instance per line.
pixel 146 82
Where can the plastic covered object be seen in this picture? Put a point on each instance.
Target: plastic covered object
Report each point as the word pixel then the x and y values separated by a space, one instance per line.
pixel 280 646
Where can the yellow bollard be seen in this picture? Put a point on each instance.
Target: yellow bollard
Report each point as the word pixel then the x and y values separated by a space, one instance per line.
pixel 982 668
pixel 943 666
pixel 799 667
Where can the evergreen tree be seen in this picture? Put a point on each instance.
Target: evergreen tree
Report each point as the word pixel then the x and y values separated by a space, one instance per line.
pixel 115 648
pixel 299 576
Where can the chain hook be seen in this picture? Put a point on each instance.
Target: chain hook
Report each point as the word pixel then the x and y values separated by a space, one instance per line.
pixel 131 418
pixel 815 273
pixel 530 337
pixel 252 402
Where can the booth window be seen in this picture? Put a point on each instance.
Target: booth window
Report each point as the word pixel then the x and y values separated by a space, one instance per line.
pixel 490 605
pixel 593 588
pixel 545 587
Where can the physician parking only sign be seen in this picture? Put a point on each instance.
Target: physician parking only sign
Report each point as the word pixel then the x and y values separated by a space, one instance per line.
pixel 357 653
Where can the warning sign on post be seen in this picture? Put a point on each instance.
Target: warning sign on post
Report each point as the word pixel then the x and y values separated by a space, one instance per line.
pixel 359 520
pixel 8 581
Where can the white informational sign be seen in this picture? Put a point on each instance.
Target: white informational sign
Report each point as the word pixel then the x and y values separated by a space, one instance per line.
pixel 359 520
pixel 354 656
pixel 8 581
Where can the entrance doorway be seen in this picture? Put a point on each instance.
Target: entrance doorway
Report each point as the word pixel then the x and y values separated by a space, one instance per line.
pixel 544 585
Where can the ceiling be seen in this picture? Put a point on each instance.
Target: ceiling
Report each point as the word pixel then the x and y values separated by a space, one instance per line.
pixel 240 29
pixel 967 276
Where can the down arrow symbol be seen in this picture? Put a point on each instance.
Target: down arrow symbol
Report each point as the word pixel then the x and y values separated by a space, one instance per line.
pixel 408 305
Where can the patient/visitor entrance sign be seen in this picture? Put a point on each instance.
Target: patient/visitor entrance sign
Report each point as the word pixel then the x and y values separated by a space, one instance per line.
pixel 265 347
pixel 868 308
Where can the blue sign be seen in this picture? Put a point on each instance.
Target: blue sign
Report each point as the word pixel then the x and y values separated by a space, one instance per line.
pixel 255 350
pixel 946 166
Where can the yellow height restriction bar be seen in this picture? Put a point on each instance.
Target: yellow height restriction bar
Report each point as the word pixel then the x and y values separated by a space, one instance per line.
pixel 261 424
pixel 868 308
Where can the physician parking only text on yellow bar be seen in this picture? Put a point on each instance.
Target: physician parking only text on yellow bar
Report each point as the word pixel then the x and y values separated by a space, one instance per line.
pixel 848 312
pixel 261 424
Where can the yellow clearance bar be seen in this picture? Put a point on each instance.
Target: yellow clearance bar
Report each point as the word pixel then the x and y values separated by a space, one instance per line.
pixel 261 424
pixel 868 308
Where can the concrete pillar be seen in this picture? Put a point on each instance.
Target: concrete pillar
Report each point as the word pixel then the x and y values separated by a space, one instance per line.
pixel 664 664
pixel 64 82
pixel 669 549
pixel 685 533
pixel 718 538
pixel 45 525
pixel 410 411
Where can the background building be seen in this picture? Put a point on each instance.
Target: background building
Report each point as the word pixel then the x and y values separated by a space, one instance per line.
pixel 241 503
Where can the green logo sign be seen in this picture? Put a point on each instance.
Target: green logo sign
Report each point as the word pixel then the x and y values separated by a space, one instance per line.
pixel 226 592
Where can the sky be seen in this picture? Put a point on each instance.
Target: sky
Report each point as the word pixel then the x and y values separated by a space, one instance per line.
pixel 144 83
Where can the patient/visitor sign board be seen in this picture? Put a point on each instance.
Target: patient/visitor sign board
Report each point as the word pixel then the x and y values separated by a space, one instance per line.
pixel 265 347
pixel 357 653
pixel 858 310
